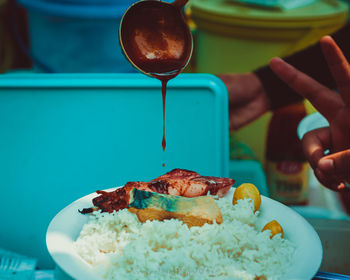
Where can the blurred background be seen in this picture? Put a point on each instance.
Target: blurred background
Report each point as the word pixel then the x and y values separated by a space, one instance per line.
pixel 238 36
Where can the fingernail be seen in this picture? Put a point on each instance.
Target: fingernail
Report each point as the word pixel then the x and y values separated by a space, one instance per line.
pixel 326 164
pixel 341 186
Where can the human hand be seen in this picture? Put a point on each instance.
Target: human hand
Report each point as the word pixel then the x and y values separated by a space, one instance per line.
pixel 247 98
pixel 332 170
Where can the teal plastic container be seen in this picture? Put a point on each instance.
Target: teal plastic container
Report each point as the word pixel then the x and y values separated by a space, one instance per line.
pixel 64 136
pixel 76 36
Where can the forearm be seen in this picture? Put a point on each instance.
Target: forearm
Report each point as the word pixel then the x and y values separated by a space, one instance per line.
pixel 310 61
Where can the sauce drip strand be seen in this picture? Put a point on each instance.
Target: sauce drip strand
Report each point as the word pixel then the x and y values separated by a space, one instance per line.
pixel 164 84
pixel 157 41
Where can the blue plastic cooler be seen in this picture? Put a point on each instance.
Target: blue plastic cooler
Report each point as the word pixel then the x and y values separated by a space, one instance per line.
pixel 67 135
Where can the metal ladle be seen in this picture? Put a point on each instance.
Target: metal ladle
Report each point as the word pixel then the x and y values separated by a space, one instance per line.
pixel 155 37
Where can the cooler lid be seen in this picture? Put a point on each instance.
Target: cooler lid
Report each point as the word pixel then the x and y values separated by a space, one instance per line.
pixel 65 135
pixel 233 12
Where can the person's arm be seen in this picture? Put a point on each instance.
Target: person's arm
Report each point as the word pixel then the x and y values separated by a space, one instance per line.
pixel 310 61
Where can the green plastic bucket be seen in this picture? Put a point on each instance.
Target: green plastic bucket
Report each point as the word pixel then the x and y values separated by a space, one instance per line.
pixel 239 38
pixel 233 37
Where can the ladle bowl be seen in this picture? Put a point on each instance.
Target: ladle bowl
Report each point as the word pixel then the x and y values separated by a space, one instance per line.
pixel 155 37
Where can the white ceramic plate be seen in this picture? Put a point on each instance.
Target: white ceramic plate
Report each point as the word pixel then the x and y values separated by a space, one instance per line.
pixel 67 224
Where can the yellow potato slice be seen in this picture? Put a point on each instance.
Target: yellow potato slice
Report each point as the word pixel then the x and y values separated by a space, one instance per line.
pixel 193 211
pixel 247 190
pixel 274 227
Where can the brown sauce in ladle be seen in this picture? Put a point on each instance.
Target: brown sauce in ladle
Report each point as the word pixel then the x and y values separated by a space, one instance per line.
pixel 157 41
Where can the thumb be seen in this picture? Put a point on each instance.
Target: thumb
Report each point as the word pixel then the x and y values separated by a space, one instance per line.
pixel 336 164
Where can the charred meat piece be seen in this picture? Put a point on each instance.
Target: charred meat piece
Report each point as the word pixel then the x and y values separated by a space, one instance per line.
pixel 178 173
pixel 110 201
pixel 190 184
pixel 179 182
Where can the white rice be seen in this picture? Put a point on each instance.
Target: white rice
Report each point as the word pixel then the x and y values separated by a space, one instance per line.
pixel 120 247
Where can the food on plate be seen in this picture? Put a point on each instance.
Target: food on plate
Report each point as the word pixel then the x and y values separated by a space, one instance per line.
pixel 178 182
pixel 190 184
pixel 274 227
pixel 110 201
pixel 141 242
pixel 194 211
pixel 248 190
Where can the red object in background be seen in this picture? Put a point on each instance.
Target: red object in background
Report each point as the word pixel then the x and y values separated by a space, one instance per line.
pixel 14 41
pixel 286 166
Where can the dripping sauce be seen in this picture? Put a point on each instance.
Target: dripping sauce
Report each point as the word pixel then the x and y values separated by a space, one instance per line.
pixel 157 41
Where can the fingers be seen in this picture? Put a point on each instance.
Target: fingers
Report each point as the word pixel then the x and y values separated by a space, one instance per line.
pixel 336 167
pixel 247 98
pixel 322 98
pixel 325 180
pixel 338 66
pixel 332 170
pixel 315 143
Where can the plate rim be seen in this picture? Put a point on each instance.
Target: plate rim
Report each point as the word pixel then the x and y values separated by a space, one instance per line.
pixel 72 271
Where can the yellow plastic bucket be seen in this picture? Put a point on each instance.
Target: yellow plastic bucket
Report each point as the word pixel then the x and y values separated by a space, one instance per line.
pixel 232 37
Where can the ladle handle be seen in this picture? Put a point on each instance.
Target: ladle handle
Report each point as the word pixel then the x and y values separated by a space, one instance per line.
pixel 180 3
